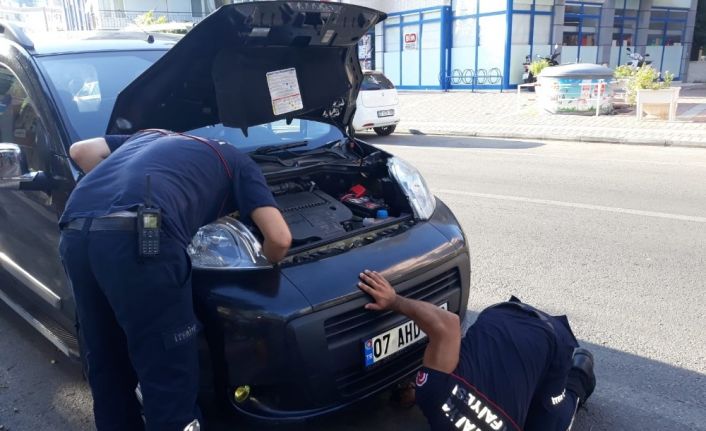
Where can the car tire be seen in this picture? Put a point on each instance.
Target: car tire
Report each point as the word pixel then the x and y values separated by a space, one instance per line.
pixel 384 131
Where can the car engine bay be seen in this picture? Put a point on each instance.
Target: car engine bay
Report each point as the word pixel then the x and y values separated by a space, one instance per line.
pixel 325 207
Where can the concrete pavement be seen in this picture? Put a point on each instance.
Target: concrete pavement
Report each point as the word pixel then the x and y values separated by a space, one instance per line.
pixel 505 115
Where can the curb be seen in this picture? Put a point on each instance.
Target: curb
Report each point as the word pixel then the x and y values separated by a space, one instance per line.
pixel 543 137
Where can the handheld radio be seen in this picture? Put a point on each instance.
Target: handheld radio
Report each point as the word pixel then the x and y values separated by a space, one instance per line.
pixel 149 221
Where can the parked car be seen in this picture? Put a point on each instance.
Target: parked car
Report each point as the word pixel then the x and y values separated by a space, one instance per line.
pixel 279 81
pixel 377 106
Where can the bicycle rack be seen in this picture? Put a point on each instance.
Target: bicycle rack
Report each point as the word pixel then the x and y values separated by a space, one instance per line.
pixel 492 76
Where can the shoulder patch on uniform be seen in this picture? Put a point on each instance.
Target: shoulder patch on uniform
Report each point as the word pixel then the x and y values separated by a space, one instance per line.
pixel 422 378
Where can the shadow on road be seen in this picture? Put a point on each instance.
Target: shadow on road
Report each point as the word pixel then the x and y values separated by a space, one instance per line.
pixel 420 140
pixel 633 393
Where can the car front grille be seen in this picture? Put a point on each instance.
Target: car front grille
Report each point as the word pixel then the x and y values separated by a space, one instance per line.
pixel 341 326
pixel 352 326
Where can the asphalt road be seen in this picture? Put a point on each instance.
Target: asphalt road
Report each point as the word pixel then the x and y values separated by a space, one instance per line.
pixel 613 236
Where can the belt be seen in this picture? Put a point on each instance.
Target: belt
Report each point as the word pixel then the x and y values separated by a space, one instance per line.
pixel 102 223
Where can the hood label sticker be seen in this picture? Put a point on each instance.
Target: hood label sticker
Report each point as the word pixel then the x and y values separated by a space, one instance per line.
pixel 284 91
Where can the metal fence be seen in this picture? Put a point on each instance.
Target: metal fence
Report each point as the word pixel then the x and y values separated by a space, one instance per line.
pixel 117 19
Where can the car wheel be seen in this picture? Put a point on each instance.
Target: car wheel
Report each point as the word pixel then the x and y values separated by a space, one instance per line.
pixel 384 131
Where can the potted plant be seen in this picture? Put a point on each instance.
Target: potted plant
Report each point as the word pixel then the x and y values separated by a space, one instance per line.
pixel 537 66
pixel 647 78
pixel 654 90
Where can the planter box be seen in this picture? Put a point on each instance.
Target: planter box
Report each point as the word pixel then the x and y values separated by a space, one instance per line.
pixel 659 103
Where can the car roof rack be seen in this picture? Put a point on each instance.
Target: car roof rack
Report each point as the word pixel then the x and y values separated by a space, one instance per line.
pixel 16 34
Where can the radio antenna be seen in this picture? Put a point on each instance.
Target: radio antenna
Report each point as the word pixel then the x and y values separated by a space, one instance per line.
pixel 148 191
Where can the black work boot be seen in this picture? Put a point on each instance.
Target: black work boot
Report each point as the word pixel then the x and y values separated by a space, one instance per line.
pixel 582 380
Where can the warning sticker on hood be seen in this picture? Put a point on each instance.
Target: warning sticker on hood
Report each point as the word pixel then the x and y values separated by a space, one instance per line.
pixel 284 91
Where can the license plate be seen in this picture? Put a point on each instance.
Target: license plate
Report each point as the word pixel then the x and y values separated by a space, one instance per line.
pixel 386 113
pixel 525 75
pixel 393 341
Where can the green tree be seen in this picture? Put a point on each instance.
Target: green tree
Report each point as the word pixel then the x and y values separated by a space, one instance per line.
pixel 148 19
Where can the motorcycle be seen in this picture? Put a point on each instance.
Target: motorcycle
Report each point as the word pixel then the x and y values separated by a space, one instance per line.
pixel 637 60
pixel 528 77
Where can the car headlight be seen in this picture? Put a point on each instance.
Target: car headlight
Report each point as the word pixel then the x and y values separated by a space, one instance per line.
pixel 414 187
pixel 226 244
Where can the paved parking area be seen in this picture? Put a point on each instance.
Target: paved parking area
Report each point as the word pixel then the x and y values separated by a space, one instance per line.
pixel 504 115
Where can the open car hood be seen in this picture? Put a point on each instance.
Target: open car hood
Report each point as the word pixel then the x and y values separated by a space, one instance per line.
pixel 253 63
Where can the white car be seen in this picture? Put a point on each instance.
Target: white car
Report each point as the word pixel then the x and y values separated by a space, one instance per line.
pixel 377 106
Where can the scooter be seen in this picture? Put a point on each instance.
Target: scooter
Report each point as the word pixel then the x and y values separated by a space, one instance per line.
pixel 637 60
pixel 527 76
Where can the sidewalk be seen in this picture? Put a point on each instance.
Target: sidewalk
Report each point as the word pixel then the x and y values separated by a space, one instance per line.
pixel 499 115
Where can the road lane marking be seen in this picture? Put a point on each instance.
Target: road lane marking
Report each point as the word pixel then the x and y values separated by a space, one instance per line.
pixel 669 216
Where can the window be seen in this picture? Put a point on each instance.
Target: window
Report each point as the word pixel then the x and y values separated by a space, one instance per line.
pixel 581 29
pixel 376 81
pixel 86 85
pixel 279 132
pixel 665 37
pixel 19 121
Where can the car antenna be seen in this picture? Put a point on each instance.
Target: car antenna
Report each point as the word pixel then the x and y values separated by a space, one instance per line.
pixel 150 38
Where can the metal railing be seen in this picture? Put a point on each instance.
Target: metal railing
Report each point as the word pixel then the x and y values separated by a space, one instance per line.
pixel 592 92
pixel 117 19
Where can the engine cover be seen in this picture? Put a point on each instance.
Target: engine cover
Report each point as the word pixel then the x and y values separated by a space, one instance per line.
pixel 313 216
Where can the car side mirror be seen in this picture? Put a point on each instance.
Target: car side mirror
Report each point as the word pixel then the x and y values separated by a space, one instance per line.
pixel 14 172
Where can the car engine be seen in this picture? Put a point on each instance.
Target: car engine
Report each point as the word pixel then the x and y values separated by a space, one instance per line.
pixel 323 208
pixel 313 215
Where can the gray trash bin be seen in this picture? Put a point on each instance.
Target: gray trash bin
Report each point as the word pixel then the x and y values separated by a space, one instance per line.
pixel 582 88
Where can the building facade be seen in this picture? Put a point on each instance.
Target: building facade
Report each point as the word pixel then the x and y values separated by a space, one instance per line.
pixel 117 14
pixel 46 15
pixel 464 44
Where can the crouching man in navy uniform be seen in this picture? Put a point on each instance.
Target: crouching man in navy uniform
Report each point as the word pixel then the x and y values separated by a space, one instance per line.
pixel 516 368
pixel 134 304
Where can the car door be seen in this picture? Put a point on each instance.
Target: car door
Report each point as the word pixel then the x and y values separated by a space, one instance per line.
pixel 28 218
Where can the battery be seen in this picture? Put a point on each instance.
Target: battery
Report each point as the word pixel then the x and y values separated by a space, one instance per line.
pixel 363 206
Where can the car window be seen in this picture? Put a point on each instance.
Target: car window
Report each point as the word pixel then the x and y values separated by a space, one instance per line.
pixel 275 133
pixel 87 84
pixel 376 81
pixel 19 122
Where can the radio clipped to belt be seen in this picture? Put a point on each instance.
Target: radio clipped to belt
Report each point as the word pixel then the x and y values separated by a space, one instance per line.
pixel 149 222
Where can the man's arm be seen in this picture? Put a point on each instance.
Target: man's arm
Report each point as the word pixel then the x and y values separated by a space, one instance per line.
pixel 87 154
pixel 275 230
pixel 442 327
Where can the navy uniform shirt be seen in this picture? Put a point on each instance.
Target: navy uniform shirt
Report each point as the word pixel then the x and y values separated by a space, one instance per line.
pixel 193 182
pixel 511 358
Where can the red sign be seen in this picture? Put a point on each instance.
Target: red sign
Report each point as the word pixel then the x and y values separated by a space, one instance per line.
pixel 410 41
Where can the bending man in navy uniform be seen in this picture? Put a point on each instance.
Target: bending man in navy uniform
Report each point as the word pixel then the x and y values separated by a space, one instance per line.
pixel 135 312
pixel 516 368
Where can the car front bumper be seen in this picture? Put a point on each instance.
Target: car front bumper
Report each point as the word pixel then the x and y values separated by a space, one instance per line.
pixel 367 118
pixel 295 336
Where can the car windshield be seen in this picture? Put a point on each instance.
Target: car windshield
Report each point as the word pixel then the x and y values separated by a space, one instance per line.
pixel 86 86
pixel 376 81
pixel 311 133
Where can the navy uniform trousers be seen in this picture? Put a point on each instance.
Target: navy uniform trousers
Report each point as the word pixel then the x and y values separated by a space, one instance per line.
pixel 137 324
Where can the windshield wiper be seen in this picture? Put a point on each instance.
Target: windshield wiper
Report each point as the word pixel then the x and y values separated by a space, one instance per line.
pixel 267 149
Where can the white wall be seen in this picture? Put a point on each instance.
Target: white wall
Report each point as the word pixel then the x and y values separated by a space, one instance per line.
pixel 697 71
